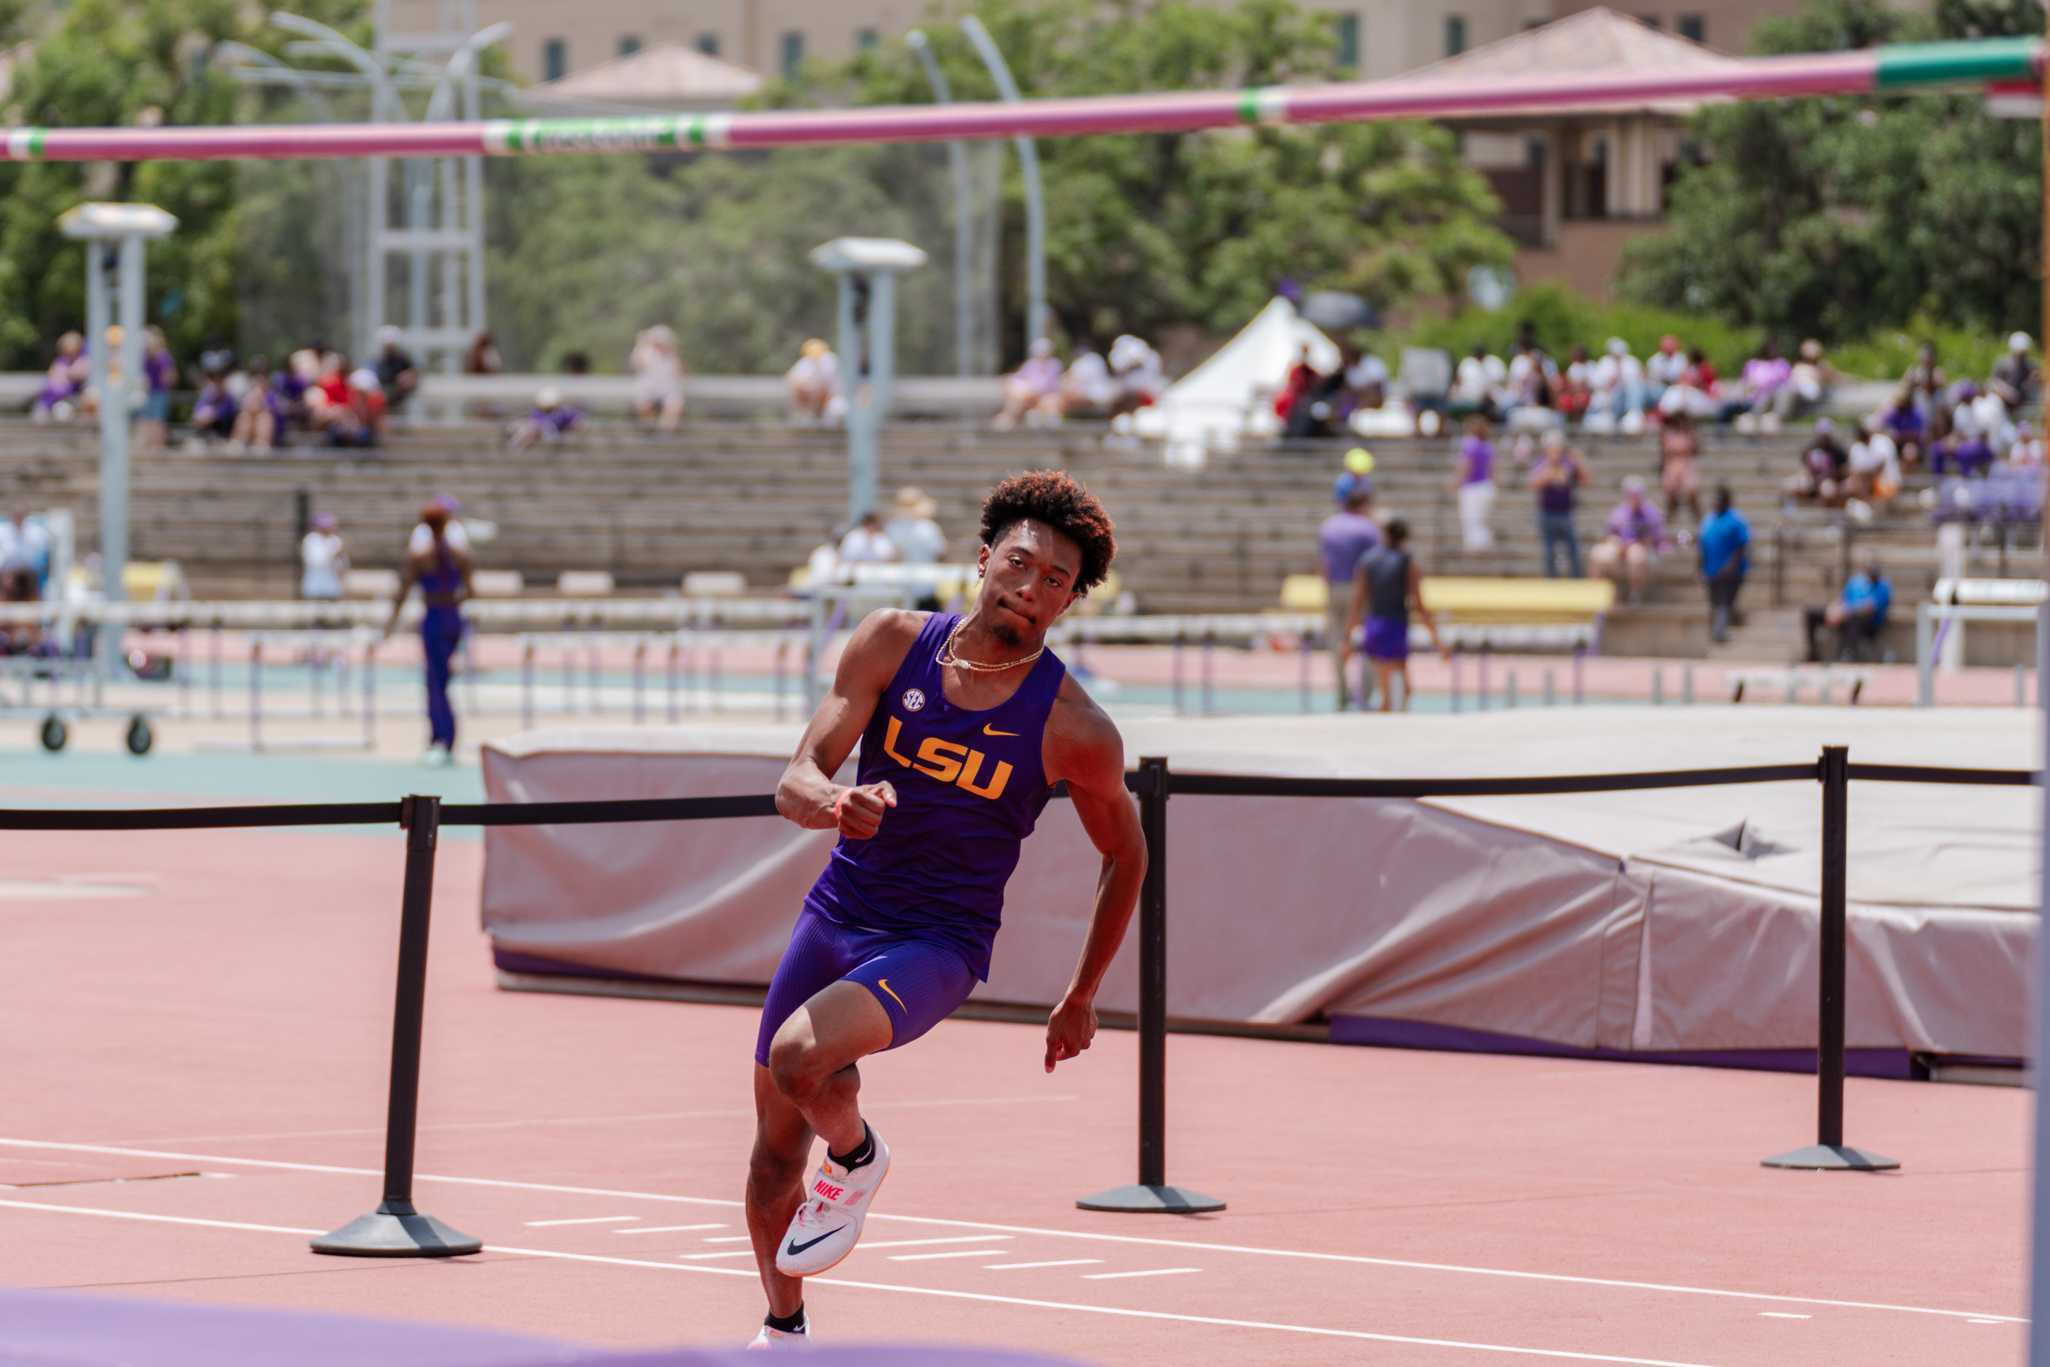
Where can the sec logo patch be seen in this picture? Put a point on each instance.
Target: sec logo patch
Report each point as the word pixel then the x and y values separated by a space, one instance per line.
pixel 914 699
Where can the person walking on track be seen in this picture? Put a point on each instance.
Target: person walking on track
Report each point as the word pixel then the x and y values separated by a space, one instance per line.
pixel 965 725
pixel 441 568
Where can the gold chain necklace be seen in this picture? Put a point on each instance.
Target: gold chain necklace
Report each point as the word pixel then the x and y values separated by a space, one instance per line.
pixel 948 657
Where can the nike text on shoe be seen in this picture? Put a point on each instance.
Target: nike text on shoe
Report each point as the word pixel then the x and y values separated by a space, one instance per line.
pixel 829 1221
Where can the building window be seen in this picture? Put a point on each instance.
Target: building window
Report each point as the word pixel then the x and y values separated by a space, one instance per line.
pixel 1348 42
pixel 554 59
pixel 867 40
pixel 1455 34
pixel 1694 26
pixel 708 43
pixel 793 54
pixel 629 44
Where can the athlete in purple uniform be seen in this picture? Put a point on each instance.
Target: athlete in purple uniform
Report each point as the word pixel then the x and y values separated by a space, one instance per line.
pixel 965 725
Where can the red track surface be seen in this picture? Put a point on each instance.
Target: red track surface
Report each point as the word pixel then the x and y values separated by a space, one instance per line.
pixel 1386 1207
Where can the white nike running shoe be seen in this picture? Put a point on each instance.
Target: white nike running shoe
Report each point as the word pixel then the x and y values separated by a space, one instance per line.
pixel 781 1340
pixel 826 1226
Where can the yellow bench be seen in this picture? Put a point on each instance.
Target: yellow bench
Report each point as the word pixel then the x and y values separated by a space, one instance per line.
pixel 1519 602
pixel 152 581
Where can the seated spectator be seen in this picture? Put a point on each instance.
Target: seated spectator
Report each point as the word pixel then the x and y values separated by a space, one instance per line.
pixel 814 385
pixel 912 531
pixel 1616 400
pixel 658 378
pixel 1809 381
pixel 1533 379
pixel 866 543
pixel 294 384
pixel 1575 391
pixel 63 382
pixel 1965 454
pixel 1904 422
pixel 357 418
pixel 1926 385
pixel 215 410
pixel 1663 369
pixel 160 373
pixel 1723 547
pixel 1140 377
pixel 482 358
pixel 1697 393
pixel 1990 420
pixel 550 420
pixel 1632 540
pixel 1823 464
pixel 26 548
pixel 1032 392
pixel 2027 451
pixel 2014 375
pixel 1856 618
pixel 1873 469
pixel 1478 383
pixel 1765 375
pixel 256 413
pixel 1087 388
pixel 1680 466
pixel 398 374
pixel 1366 380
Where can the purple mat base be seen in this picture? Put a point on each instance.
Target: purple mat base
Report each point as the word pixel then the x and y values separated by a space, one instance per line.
pixel 79 1329
pixel 1398 1034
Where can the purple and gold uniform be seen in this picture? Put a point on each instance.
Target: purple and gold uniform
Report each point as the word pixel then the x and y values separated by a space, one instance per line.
pixel 912 912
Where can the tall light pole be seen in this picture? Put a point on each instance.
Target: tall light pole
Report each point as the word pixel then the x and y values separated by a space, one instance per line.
pixel 957 162
pixel 1028 168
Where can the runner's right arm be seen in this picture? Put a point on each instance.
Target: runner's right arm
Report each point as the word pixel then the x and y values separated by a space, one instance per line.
pixel 807 794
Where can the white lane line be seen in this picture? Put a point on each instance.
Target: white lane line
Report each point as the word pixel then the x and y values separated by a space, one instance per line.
pixel 584 1220
pixel 951 1253
pixel 728 1238
pixel 1149 1272
pixel 1053 1262
pixel 1986 1319
pixel 729 1253
pixel 1353 1259
pixel 918 1243
pixel 978 1296
pixel 1782 1315
pixel 669 1229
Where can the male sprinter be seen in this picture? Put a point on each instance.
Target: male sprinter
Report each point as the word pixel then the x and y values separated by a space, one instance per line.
pixel 965 725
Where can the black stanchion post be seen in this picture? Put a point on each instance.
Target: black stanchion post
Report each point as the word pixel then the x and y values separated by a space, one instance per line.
pixel 1829 1151
pixel 395 1229
pixel 1151 1193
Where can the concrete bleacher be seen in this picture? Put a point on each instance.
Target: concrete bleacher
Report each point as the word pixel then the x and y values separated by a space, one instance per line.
pixel 754 499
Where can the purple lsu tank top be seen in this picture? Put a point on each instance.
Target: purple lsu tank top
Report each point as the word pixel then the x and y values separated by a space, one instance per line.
pixel 970 786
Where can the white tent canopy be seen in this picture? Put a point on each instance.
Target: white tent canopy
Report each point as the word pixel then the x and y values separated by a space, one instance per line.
pixel 1232 394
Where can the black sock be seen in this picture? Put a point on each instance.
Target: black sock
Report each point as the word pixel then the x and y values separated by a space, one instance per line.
pixel 792 1323
pixel 860 1153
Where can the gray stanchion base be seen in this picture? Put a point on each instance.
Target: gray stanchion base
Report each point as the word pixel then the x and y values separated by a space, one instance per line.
pixel 390 1232
pixel 1832 1158
pixel 1159 1200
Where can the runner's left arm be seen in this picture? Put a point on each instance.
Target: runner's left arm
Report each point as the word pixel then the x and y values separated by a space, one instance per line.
pixel 1089 755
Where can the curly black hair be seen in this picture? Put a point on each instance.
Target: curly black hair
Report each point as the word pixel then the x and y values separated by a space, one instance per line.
pixel 1059 500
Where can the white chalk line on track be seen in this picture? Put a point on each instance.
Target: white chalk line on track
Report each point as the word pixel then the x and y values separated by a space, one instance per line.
pixel 1357 1259
pixel 1212 1321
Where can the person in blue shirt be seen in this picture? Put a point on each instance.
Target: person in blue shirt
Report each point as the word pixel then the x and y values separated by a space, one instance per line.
pixel 1724 544
pixel 1858 616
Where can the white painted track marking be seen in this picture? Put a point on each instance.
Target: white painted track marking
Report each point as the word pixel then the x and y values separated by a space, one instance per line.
pixel 1053 1262
pixel 954 1253
pixel 729 1253
pixel 1782 1315
pixel 670 1229
pixel 927 1243
pixel 584 1220
pixel 1149 1272
pixel 1355 1259
pixel 728 1238
pixel 1120 1312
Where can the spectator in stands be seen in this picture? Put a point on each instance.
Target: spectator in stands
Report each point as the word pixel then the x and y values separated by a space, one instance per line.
pixel 1087 388
pixel 1387 587
pixel 2014 375
pixel 482 358
pixel 160 373
pixel 1477 385
pixel 814 384
pixel 1856 618
pixel 1680 465
pixel 1557 479
pixel 1366 380
pixel 1137 368
pixel 1824 462
pixel 1696 392
pixel 1765 375
pixel 256 413
pixel 356 417
pixel 1632 540
pixel 398 374
pixel 1809 381
pixel 323 560
pixel 2027 452
pixel 1872 470
pixel 25 550
pixel 1926 385
pixel 1575 391
pixel 915 536
pixel 1032 392
pixel 1663 369
pixel 442 570
pixel 1358 473
pixel 1724 549
pixel 550 420
pixel 1905 423
pixel 1964 454
pixel 658 377
pixel 294 384
pixel 1616 402
pixel 866 543
pixel 215 410
pixel 1342 541
pixel 63 382
pixel 1474 485
pixel 1533 380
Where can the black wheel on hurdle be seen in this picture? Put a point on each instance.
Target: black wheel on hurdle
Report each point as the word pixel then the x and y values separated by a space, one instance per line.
pixel 54 733
pixel 140 737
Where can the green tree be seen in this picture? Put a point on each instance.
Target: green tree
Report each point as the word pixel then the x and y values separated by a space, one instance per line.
pixel 1836 216
pixel 115 63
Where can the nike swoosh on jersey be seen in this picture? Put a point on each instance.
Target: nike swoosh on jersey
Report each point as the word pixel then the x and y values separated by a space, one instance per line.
pixel 797 1248
pixel 989 730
